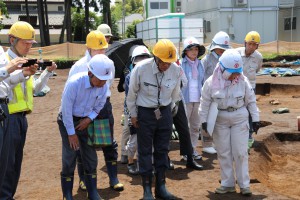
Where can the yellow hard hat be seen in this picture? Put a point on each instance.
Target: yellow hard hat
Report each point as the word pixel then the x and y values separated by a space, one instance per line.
pixel 252 36
pixel 96 40
pixel 22 30
pixel 165 50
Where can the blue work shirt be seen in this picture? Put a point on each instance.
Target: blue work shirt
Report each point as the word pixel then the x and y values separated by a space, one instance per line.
pixel 81 99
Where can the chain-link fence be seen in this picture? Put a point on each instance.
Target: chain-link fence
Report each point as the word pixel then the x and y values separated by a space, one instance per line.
pixel 75 51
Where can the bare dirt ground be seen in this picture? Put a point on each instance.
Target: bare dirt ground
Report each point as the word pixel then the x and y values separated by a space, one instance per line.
pixel 274 160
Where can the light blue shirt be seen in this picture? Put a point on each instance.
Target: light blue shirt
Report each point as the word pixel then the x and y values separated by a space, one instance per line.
pixel 81 66
pixel 188 70
pixel 80 99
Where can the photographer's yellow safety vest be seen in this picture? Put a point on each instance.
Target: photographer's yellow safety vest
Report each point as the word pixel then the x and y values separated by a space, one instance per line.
pixel 22 102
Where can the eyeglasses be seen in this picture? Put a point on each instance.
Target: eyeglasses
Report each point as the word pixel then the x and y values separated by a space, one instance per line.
pixel 162 62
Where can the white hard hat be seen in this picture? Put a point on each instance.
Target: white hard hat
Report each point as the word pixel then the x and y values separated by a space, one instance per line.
pixel 192 42
pixel 101 66
pixel 220 41
pixel 132 48
pixel 105 29
pixel 139 51
pixel 231 61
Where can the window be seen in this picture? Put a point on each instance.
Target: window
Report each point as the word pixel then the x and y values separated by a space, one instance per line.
pixel 60 8
pixel 13 8
pixel 287 24
pixel 159 5
pixel 154 5
pixel 178 3
pixel 206 26
pixel 163 5
pixel 32 19
pixel 30 8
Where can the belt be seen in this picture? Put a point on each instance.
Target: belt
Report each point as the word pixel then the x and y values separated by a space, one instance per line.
pixel 21 113
pixel 229 109
pixel 160 108
pixel 77 118
pixel 4 100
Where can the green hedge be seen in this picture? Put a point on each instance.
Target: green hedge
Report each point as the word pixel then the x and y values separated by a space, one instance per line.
pixel 63 63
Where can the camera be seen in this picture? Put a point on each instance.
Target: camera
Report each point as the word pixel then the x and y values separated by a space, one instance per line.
pixel 29 62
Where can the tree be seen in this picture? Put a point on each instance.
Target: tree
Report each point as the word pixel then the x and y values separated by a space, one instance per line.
pixel 3 11
pixel 131 7
pixel 78 18
pixel 131 29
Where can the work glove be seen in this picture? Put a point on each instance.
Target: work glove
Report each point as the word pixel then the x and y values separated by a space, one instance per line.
pixel 204 127
pixel 256 126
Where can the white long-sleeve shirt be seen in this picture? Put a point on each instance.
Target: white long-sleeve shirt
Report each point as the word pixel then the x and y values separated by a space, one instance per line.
pixel 251 64
pixel 9 81
pixel 145 81
pixel 236 96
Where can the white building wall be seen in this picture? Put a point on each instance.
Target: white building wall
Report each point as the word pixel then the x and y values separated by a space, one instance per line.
pixel 174 29
pixel 289 35
pixel 237 20
pixel 156 12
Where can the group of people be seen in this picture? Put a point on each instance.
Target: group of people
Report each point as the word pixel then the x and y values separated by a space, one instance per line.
pixel 159 92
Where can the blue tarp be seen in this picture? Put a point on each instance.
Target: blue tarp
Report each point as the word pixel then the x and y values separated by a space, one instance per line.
pixel 279 71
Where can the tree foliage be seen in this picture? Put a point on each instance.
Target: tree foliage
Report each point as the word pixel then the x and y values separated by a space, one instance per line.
pixel 3 10
pixel 78 19
pixel 130 7
pixel 131 29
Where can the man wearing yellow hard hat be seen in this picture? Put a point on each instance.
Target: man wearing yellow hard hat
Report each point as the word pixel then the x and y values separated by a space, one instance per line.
pixel 6 72
pixel 154 87
pixel 21 37
pixel 252 61
pixel 96 43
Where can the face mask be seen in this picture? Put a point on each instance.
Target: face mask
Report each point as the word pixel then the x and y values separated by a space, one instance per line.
pixel 226 74
pixel 131 66
pixel 215 55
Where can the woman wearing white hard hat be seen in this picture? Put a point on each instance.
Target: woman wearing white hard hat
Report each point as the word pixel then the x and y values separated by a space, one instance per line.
pixel 235 99
pixel 218 45
pixel 194 72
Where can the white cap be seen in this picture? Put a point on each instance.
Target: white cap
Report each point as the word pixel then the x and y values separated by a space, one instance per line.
pixel 101 66
pixel 105 29
pixel 220 41
pixel 231 61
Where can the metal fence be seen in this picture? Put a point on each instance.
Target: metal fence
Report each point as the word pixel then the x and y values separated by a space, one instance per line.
pixel 76 51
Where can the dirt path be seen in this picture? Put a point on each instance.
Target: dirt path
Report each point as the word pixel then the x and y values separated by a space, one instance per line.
pixel 274 165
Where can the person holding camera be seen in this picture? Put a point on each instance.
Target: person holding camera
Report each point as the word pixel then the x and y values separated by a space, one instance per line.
pixel 6 70
pixel 235 99
pixel 21 38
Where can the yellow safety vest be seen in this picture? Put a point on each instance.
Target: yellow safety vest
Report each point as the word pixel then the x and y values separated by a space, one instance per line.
pixel 21 102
